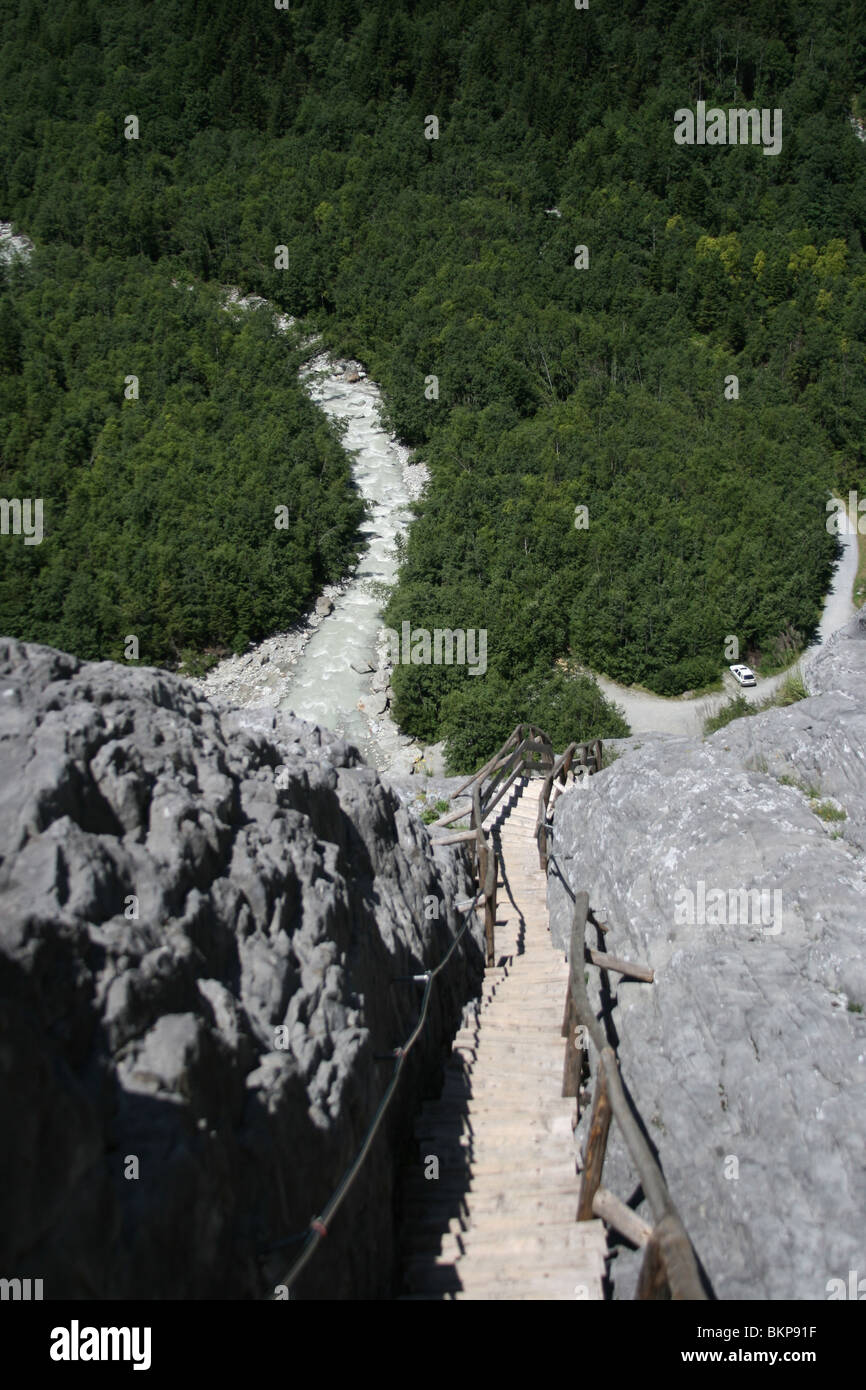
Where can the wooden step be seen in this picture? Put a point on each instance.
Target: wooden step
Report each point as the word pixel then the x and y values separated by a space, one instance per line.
pixel 537 986
pixel 513 1233
pixel 538 993
pixel 542 1054
pixel 503 1152
pixel 510 1232
pixel 534 1023
pixel 483 1108
pixel 505 1236
pixel 511 1044
pixel 542 1176
pixel 542 1208
pixel 538 1271
pixel 493 1130
pixel 488 1074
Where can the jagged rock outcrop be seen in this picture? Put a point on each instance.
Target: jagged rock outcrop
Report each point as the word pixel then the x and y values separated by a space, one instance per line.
pixel 747 1056
pixel 176 885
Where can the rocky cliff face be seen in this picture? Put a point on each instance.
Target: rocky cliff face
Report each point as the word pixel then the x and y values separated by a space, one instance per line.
pixel 747 1056
pixel 203 916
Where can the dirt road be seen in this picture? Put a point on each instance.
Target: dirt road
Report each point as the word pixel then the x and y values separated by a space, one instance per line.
pixel 648 713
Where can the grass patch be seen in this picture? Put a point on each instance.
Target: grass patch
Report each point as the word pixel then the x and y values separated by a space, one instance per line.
pixel 824 810
pixel 736 708
pixel 854 1008
pixel 431 813
pixel 792 689
pixel 807 788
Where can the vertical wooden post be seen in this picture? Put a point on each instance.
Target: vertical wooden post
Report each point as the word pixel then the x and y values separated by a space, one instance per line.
pixel 596 1147
pixel 490 918
pixel 652 1281
pixel 568 1012
pixel 573 1067
pixel 482 884
pixel 669 1268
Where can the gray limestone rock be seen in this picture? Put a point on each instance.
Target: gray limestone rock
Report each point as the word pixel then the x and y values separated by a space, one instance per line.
pixel 713 862
pixel 203 918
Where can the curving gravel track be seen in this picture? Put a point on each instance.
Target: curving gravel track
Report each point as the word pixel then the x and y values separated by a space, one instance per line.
pixel 648 713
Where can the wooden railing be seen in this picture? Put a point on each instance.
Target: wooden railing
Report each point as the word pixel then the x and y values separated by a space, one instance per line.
pixel 526 750
pixel 589 758
pixel 669 1268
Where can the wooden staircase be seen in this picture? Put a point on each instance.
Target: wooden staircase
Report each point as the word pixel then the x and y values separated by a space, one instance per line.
pixel 499 1220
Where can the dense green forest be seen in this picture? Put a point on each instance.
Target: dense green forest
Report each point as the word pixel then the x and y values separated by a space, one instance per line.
pixel 160 510
pixel 558 387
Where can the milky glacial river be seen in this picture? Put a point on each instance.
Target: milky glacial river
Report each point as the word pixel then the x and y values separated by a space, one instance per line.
pixel 324 685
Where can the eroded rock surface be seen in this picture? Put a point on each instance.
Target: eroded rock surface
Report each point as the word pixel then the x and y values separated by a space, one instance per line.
pixel 747 1056
pixel 176 885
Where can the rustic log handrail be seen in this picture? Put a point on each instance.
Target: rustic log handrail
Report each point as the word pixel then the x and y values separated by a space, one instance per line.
pixel 669 1268
pixel 590 756
pixel 498 772
pixel 488 766
pixel 526 750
